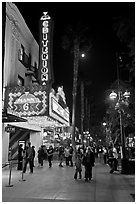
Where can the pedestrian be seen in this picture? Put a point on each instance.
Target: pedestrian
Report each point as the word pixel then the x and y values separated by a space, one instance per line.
pixel 111 159
pixel 61 155
pixel 115 160
pixel 78 165
pixel 28 158
pixel 33 149
pixel 50 155
pixel 20 157
pixel 40 156
pixel 88 162
pixel 67 155
pixel 105 155
pixel 70 155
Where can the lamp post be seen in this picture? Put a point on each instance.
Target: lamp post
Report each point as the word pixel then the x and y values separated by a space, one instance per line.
pixel 121 98
pixel 105 124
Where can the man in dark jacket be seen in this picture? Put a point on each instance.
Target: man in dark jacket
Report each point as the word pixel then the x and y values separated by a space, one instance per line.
pixel 61 155
pixel 28 158
pixel 88 162
pixel 50 152
pixel 20 157
pixel 70 155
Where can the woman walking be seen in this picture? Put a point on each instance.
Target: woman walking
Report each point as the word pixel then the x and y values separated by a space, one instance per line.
pixel 88 162
pixel 78 165
pixel 50 155
pixel 67 156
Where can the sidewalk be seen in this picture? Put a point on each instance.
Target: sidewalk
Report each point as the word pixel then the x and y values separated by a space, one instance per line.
pixel 57 184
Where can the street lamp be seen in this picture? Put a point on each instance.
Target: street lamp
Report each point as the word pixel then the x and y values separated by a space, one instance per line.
pixel 121 98
pixel 104 124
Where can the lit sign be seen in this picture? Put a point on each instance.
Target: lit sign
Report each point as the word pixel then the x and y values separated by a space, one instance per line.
pixel 22 102
pixel 10 129
pixel 63 113
pixel 44 48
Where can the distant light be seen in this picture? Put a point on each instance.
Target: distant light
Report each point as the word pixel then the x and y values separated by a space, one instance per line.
pixel 104 124
pixel 113 95
pixel 83 55
pixel 126 94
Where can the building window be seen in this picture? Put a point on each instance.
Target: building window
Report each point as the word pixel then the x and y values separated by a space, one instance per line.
pixel 20 81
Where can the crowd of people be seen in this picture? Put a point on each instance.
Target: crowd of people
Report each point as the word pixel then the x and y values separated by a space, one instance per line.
pixel 83 157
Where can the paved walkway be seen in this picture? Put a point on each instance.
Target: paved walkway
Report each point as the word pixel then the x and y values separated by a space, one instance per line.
pixel 57 184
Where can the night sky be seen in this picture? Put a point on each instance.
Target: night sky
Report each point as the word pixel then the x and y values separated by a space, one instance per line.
pixel 99 66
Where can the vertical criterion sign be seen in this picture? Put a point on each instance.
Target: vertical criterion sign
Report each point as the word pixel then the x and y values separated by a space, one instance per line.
pixel 45 50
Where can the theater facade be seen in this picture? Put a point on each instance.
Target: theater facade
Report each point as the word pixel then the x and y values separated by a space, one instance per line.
pixel 32 111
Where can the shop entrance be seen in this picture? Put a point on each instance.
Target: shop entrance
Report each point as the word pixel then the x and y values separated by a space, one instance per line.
pixel 20 136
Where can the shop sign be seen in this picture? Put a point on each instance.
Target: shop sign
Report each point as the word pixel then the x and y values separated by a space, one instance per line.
pixel 9 129
pixel 61 112
pixel 29 101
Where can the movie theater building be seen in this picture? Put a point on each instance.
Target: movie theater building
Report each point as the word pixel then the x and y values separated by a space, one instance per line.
pixel 31 109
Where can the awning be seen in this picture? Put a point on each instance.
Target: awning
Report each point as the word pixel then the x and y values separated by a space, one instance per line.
pixel 6 118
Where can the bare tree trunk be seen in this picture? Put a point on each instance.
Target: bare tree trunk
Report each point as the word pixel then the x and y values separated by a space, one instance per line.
pixel 82 108
pixel 75 76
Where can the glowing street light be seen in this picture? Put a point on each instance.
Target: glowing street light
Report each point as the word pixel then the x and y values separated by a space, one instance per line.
pixel 104 123
pixel 113 95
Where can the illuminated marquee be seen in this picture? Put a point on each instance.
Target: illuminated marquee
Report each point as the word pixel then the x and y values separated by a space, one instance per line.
pixel 25 103
pixel 59 110
pixel 44 48
pixel 56 110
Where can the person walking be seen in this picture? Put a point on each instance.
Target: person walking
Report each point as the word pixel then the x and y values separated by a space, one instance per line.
pixel 70 155
pixel 61 155
pixel 28 158
pixel 78 165
pixel 40 156
pixel 20 157
pixel 88 162
pixel 105 155
pixel 33 149
pixel 111 159
pixel 115 155
pixel 67 155
pixel 114 160
pixel 50 152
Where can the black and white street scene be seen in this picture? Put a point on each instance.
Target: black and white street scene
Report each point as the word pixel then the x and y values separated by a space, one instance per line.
pixel 68 101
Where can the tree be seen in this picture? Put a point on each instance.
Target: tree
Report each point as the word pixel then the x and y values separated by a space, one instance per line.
pixel 126 108
pixel 75 40
pixel 124 26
